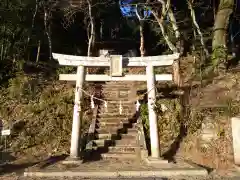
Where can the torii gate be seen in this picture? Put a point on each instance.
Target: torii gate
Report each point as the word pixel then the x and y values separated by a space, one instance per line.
pixel 116 64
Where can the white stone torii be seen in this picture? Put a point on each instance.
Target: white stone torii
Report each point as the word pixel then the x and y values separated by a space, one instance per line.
pixel 116 63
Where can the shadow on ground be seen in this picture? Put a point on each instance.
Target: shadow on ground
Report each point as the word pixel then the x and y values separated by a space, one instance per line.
pixel 52 160
pixel 209 170
pixel 170 154
pixel 6 157
pixel 8 168
pixel 17 168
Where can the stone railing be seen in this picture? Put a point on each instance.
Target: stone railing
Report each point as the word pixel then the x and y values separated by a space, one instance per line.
pixel 141 138
pixel 91 131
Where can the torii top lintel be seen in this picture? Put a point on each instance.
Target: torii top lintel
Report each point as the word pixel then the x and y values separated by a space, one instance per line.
pixel 70 60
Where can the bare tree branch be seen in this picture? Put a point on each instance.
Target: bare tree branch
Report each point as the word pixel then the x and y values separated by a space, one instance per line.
pixel 138 16
pixel 173 20
pixel 197 27
pixel 165 36
pixel 165 9
pixel 33 21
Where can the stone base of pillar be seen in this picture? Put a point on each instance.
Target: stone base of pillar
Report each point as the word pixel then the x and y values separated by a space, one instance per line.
pixel 155 161
pixel 70 160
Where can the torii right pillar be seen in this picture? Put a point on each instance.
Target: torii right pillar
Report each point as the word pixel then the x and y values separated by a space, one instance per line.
pixel 153 125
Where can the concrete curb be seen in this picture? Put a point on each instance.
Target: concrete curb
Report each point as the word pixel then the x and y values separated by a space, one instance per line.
pixel 123 174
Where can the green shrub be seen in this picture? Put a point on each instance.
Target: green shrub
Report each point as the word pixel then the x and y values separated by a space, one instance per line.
pixel 145 119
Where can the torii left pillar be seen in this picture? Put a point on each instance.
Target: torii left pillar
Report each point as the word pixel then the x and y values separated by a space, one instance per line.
pixel 77 115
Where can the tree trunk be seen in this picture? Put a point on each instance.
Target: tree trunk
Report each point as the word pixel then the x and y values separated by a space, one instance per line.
pixel 173 21
pixel 141 30
pixel 219 42
pixel 48 31
pixel 38 52
pixel 142 44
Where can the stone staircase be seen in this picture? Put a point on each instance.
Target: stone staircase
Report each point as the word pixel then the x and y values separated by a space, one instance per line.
pixel 115 146
pixel 116 134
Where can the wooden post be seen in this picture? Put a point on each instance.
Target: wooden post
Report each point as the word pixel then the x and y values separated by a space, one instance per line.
pixel 155 149
pixel 176 73
pixel 76 124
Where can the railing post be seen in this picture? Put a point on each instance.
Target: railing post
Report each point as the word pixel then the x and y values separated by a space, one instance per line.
pixel 76 124
pixel 153 125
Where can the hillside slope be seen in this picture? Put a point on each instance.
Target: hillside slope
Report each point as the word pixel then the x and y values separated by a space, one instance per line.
pixel 38 108
pixel 210 108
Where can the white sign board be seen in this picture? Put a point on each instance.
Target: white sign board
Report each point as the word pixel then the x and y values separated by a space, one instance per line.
pixel 116 65
pixel 236 139
pixel 5 132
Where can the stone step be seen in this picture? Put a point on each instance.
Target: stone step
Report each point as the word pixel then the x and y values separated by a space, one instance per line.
pixel 119 85
pixel 121 122
pixel 120 149
pixel 99 142
pixel 106 136
pixel 122 92
pixel 115 109
pixel 117 105
pixel 126 142
pixel 118 125
pixel 112 126
pixel 117 90
pixel 128 136
pixel 117 102
pixel 115 115
pixel 112 119
pixel 100 122
pixel 114 123
pixel 116 85
pixel 117 93
pixel 132 131
pixel 111 130
pixel 122 155
pixel 109 136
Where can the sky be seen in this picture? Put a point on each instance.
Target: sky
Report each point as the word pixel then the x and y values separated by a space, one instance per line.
pixel 128 11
